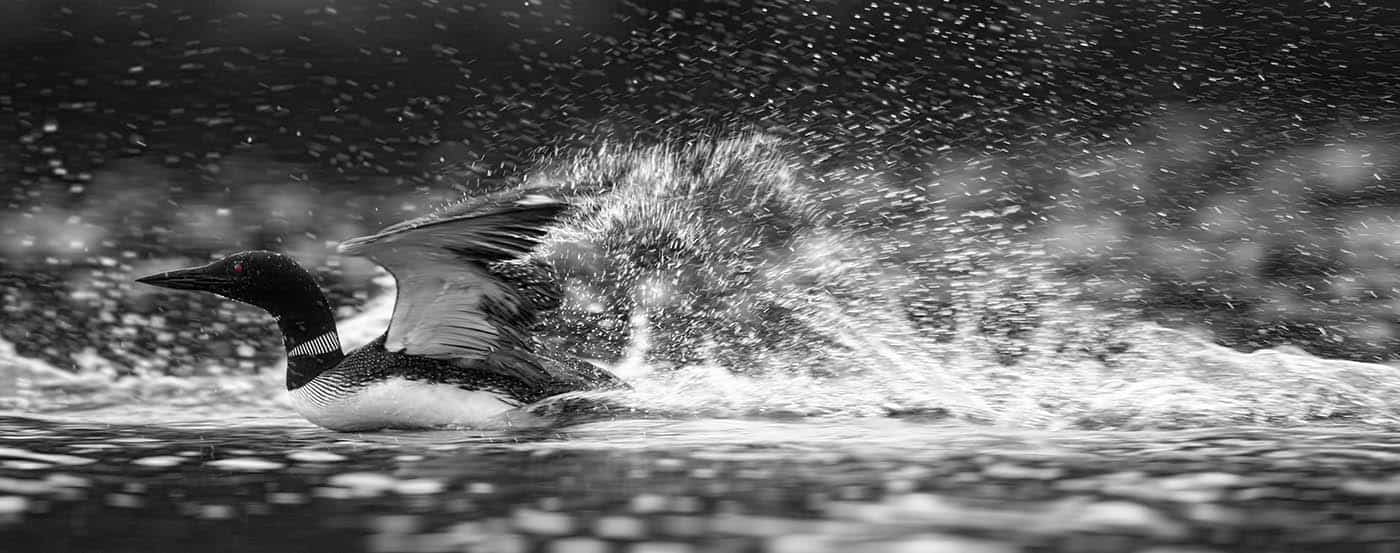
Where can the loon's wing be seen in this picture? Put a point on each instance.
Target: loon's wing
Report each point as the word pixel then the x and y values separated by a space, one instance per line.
pixel 449 305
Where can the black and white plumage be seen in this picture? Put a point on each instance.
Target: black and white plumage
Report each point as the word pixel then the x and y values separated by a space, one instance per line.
pixel 458 351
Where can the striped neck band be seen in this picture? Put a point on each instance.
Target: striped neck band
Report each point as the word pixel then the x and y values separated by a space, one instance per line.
pixel 324 343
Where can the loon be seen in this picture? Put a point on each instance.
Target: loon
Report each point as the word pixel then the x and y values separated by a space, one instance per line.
pixel 457 352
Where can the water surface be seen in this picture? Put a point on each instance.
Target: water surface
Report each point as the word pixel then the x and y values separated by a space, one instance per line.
pixel 112 480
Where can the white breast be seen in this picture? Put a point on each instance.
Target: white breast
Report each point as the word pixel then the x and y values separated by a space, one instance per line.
pixel 401 403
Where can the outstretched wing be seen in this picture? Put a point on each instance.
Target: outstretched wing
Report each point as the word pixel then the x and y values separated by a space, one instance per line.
pixel 449 305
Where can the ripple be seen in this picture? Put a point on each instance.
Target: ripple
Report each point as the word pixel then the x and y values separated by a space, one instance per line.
pixel 535 521
pixel 1362 486
pixel 363 484
pixel 13 504
pixel 622 527
pixel 159 461
pixel 481 488
pixel 580 545
pixel 419 486
pixel 125 500
pixel 250 464
pixel 1122 516
pixel 286 498
pixel 313 456
pixel 54 458
pixel 24 465
pixel 24 486
pixel 216 512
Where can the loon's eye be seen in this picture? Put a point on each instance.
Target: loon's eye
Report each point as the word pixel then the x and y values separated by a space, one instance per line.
pixel 238 268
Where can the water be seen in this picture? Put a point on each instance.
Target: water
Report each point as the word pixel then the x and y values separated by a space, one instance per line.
pixel 786 396
pixel 270 483
pixel 1095 277
pixel 806 380
pixel 1199 447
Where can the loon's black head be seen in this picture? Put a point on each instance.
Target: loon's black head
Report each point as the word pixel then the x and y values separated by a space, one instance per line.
pixel 266 279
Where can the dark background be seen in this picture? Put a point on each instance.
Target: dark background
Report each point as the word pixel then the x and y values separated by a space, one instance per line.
pixel 361 90
pixel 1223 165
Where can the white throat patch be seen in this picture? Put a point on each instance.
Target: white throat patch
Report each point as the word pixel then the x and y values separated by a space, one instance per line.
pixel 324 343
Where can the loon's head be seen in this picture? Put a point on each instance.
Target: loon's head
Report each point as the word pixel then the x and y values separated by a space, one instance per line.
pixel 265 279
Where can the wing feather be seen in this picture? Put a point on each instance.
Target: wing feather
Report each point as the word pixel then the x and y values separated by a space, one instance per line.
pixel 450 306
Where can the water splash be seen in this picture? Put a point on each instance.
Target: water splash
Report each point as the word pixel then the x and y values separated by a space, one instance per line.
pixel 731 279
pixel 1163 379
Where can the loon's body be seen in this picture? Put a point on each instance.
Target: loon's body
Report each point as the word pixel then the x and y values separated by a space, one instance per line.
pixel 372 387
pixel 457 351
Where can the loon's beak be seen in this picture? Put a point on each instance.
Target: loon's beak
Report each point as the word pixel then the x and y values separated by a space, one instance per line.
pixel 203 278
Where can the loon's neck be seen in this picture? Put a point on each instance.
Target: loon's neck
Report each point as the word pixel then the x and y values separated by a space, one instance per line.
pixel 308 331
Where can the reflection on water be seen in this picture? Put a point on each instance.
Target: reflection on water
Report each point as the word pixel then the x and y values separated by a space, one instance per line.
pixel 270 484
